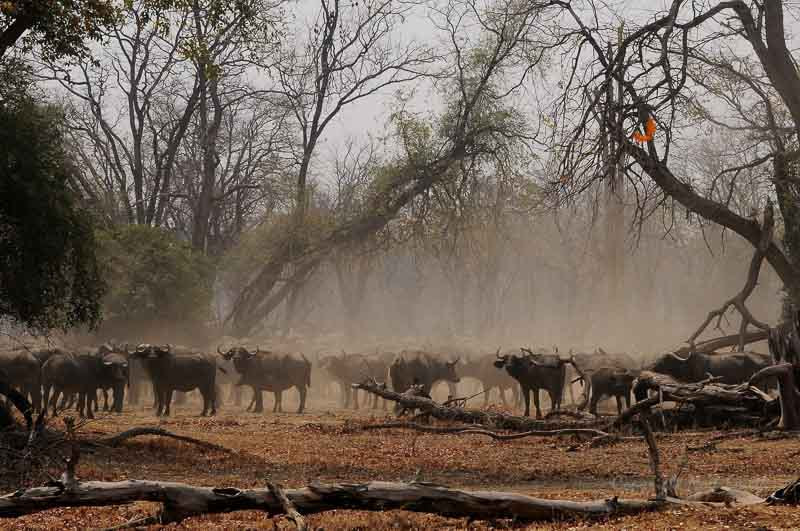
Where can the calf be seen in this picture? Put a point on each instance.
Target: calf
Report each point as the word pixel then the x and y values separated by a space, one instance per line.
pixel 171 371
pixel 271 371
pixel 611 381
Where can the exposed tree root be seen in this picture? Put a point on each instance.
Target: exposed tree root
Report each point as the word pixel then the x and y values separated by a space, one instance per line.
pixel 116 440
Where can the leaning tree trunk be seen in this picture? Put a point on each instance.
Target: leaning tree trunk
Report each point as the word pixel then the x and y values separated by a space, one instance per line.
pixel 784 345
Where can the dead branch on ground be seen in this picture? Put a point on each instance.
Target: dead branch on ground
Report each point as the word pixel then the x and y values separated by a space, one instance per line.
pixel 479 430
pixel 486 419
pixel 287 506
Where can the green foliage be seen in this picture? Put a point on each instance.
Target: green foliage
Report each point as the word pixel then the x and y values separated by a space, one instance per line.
pixel 57 28
pixel 153 277
pixel 49 276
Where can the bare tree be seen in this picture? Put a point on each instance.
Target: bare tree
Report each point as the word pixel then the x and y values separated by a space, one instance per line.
pixel 682 68
pixel 475 124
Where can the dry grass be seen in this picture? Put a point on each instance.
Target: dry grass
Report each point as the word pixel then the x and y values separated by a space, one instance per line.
pixel 321 445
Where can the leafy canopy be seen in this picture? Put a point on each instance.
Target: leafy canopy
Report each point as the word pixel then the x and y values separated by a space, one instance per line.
pixel 153 277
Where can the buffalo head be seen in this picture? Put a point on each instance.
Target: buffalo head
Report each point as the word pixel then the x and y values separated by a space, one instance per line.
pixel 152 352
pixel 238 354
pixel 671 364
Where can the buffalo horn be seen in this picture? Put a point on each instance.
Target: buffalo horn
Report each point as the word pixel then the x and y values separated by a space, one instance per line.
pixel 219 351
pixel 673 355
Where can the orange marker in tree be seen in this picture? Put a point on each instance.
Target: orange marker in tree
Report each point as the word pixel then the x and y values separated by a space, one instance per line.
pixel 649 132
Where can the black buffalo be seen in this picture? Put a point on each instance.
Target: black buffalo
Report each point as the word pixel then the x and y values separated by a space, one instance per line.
pixel 273 372
pixel 611 381
pixel 585 364
pixel 23 371
pixel 415 367
pixel 535 372
pixel 730 367
pixel 179 371
pixel 82 374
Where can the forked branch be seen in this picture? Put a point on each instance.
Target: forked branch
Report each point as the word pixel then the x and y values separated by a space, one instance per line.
pixel 738 301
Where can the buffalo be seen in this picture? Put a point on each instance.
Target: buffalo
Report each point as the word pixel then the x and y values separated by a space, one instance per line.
pixel 415 367
pixel 348 369
pixel 611 381
pixel 730 367
pixel 535 372
pixel 482 369
pixel 271 371
pixel 171 371
pixel 23 371
pixel 83 374
pixel 586 364
pixel 114 375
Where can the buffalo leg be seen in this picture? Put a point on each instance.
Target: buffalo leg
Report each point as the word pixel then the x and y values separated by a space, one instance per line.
pixel 236 395
pixel 52 399
pixel 277 407
pixel 593 403
pixel 503 398
pixel 536 404
pixel 355 398
pixel 303 391
pixel 167 401
pixel 259 397
pixel 35 390
pixel 212 400
pixel 347 393
pixel 526 397
pixel 252 405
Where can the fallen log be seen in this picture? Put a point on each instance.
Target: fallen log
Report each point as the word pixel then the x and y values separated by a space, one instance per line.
pixel 181 500
pixel 487 419
pixel 742 401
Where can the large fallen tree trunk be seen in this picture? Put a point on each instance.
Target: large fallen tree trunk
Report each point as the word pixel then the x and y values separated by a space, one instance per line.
pixel 181 500
pixel 487 419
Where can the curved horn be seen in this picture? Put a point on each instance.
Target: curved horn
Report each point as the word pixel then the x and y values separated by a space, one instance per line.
pixel 527 351
pixel 219 351
pixel 497 354
pixel 673 355
pixel 169 347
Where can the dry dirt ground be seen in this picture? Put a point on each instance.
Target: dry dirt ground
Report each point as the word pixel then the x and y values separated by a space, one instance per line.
pixel 321 445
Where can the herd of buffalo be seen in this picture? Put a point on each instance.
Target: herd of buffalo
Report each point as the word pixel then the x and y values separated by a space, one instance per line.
pixel 56 378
